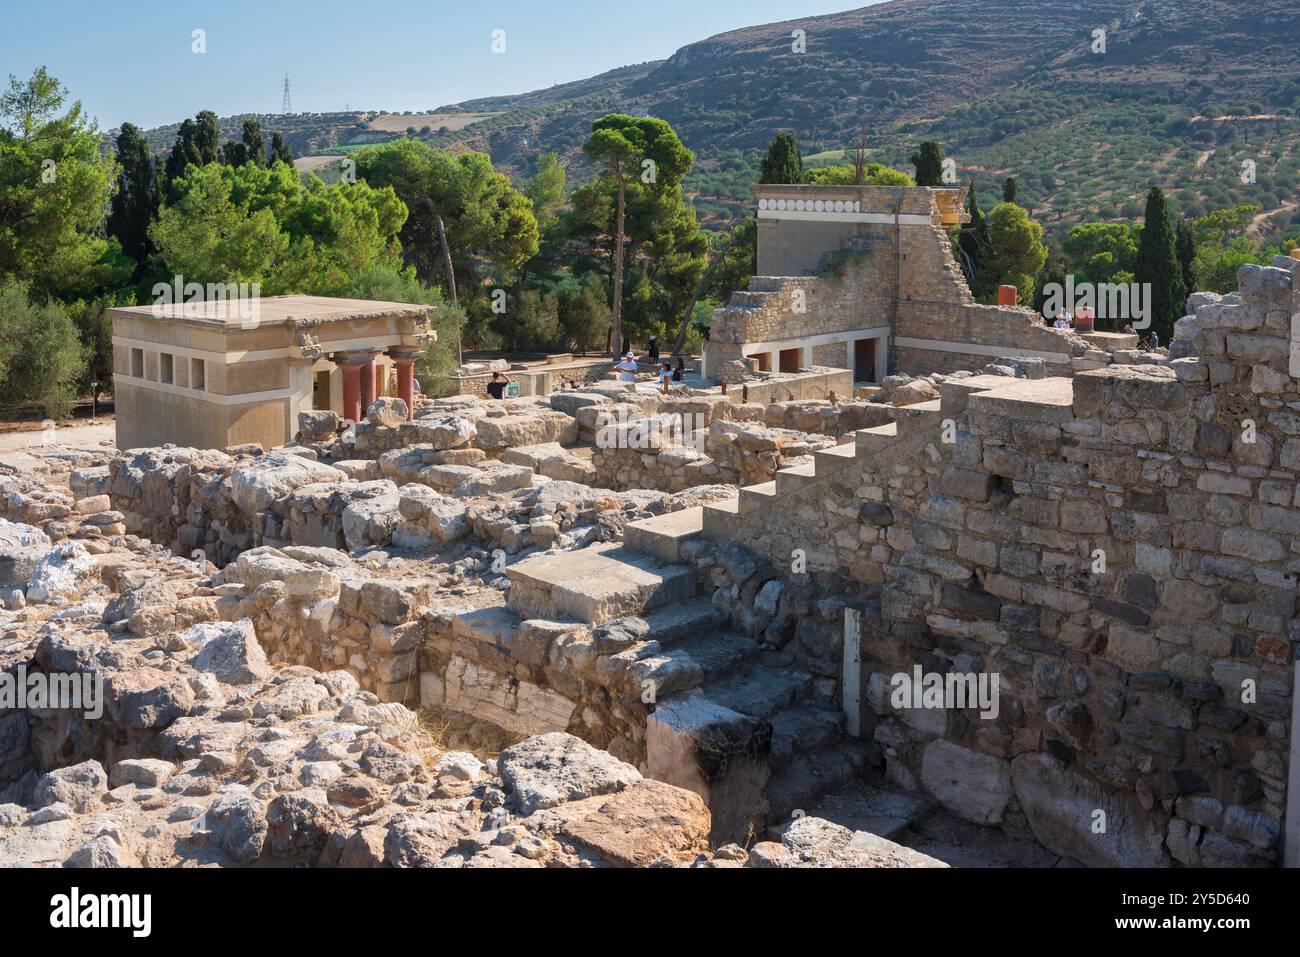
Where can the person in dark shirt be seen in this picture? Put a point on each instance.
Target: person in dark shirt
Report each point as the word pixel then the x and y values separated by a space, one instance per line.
pixel 652 349
pixel 680 372
pixel 497 387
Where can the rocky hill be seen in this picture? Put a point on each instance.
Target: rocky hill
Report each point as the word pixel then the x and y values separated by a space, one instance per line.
pixel 1182 95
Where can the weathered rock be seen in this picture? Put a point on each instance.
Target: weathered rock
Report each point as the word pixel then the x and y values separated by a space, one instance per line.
pixel 549 769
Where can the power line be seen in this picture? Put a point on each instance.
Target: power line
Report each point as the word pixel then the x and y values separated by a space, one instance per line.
pixel 286 106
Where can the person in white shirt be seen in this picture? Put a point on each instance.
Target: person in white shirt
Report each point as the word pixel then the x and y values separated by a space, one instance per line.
pixel 627 368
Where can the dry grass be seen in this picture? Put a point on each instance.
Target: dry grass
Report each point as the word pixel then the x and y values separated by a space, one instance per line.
pixel 397 123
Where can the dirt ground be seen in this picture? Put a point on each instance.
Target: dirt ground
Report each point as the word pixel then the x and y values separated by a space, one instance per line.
pixel 25 447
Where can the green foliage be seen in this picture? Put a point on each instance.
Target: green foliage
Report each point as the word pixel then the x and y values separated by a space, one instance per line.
pixel 929 164
pixel 253 144
pixel 530 320
pixel 783 164
pixel 197 144
pixel 487 221
pixel 55 184
pixel 1157 264
pixel 1018 253
pixel 280 152
pixel 1185 249
pixel 584 314
pixel 974 241
pixel 733 268
pixel 876 174
pixel 41 356
pixel 1009 190
pixel 664 252
pixel 137 198
pixel 391 283
pixel 1097 252
pixel 545 188
pixel 260 224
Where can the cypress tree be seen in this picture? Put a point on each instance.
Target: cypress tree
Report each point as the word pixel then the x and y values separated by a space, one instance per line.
pixel 1157 264
pixel 254 146
pixel 1185 246
pixel 783 164
pixel 280 150
pixel 1009 190
pixel 135 203
pixel 929 164
pixel 974 240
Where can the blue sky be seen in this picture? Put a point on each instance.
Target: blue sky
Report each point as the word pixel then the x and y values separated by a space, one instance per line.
pixel 132 59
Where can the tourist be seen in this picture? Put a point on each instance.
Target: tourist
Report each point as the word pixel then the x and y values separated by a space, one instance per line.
pixel 1155 341
pixel 627 368
pixel 680 372
pixel 665 376
pixel 497 387
pixel 652 349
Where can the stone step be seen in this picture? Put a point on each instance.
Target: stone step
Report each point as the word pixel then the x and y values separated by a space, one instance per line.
pixel 800 785
pixel 716 752
pixel 872 806
pixel 755 496
pixel 912 417
pixel 1033 400
pixel 750 298
pixel 663 535
pixel 802 731
pixel 767 283
pixel 597 584
pixel 720 519
pixel 795 477
pixel 836 459
pixel 675 622
pixel 717 653
pixel 876 439
pixel 759 691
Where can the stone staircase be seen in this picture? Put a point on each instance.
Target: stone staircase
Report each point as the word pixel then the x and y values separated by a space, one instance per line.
pixel 733 722
pixel 727 521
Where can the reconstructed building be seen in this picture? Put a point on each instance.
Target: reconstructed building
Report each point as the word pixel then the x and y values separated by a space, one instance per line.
pixel 863 278
pixel 212 375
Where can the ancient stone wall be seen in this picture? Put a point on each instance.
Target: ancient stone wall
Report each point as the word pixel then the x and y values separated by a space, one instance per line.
pixel 1119 550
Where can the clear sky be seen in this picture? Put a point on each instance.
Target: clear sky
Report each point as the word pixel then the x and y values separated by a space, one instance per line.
pixel 133 59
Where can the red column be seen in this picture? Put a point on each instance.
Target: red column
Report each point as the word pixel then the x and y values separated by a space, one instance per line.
pixel 351 390
pixel 367 384
pixel 406 382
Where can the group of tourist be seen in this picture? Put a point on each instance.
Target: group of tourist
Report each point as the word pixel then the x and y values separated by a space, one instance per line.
pixel 626 368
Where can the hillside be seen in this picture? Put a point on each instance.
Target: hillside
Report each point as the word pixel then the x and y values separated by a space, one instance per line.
pixel 1184 93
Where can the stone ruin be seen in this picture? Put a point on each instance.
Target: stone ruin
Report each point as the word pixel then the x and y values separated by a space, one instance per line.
pixel 617 628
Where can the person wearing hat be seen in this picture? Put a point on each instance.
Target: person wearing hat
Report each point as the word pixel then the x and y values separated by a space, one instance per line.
pixel 627 368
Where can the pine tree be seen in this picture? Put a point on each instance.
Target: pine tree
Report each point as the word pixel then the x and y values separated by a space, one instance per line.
pixel 929 164
pixel 1157 265
pixel 783 164
pixel 1009 190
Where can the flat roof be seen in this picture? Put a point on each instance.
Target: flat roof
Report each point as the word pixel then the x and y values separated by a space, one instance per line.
pixel 270 310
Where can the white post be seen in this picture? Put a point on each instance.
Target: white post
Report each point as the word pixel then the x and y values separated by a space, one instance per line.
pixel 851 678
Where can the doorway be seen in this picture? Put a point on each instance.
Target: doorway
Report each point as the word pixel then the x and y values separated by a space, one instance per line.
pixel 864 360
pixel 320 391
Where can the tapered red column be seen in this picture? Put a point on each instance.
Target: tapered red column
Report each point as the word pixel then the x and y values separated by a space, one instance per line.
pixel 351 390
pixel 367 383
pixel 404 360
